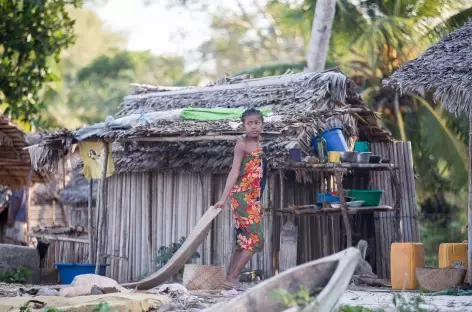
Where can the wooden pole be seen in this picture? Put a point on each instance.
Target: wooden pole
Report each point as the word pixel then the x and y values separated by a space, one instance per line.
pixel 27 190
pixel 347 224
pixel 90 223
pixel 65 215
pixel 469 210
pixel 102 206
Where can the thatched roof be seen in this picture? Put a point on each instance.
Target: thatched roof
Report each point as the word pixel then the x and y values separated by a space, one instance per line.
pixel 14 160
pixel 45 193
pixel 76 191
pixel 445 68
pixel 149 135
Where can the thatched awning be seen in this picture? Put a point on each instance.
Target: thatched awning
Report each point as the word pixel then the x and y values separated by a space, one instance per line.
pixel 148 136
pixel 14 160
pixel 445 68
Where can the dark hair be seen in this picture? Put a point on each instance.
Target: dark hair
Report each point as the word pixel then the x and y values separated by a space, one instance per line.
pixel 251 111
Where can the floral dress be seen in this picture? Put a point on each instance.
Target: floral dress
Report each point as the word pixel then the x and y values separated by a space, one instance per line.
pixel 245 202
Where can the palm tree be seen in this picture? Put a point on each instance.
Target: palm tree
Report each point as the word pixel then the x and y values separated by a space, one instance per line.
pixel 320 35
pixel 370 40
pixel 392 33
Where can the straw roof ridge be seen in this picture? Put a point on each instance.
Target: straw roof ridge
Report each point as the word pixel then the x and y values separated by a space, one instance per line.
pixel 445 67
pixel 284 92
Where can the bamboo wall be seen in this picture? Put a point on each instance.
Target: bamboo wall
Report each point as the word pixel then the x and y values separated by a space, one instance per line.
pixel 400 154
pixel 78 215
pixel 149 210
pixel 43 215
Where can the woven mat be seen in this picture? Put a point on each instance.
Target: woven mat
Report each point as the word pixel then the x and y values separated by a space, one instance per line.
pixel 180 258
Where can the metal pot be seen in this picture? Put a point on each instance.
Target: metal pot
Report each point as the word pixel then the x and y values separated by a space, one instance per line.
pixel 348 157
pixel 363 158
pixel 375 159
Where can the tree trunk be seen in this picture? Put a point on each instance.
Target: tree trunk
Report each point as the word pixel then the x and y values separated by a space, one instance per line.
pixel 469 210
pixel 320 35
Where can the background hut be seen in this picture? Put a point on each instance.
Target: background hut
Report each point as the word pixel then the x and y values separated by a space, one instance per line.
pixel 15 169
pixel 67 234
pixel 170 170
pixel 444 71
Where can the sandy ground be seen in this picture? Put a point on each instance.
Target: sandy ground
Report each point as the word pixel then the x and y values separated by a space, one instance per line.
pixel 375 299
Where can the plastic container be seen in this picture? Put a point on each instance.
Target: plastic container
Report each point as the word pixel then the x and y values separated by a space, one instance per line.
pixel 334 157
pixel 335 141
pixel 296 154
pixel 67 271
pixel 452 255
pixel 319 146
pixel 328 198
pixel 404 259
pixel 361 147
pixel 370 197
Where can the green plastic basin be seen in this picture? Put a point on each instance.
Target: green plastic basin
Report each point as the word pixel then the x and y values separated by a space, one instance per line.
pixel 370 197
pixel 361 147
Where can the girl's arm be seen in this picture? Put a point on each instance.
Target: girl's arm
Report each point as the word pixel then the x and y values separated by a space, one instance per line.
pixel 233 174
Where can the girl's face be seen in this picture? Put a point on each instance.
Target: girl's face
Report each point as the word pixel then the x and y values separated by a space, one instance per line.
pixel 253 125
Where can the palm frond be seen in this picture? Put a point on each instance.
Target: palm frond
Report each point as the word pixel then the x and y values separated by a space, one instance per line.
pixel 443 144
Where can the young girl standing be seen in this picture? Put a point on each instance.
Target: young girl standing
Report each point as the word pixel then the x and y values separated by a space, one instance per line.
pixel 244 186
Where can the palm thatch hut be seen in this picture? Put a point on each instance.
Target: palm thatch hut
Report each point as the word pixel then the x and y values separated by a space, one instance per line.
pixel 169 170
pixel 58 213
pixel 444 70
pixel 15 169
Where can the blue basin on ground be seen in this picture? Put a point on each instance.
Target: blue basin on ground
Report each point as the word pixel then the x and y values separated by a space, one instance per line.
pixel 67 271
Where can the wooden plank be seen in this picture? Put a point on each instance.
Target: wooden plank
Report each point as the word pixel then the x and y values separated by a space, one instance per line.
pixel 336 211
pixel 288 234
pixel 412 193
pixel 59 238
pixel 265 136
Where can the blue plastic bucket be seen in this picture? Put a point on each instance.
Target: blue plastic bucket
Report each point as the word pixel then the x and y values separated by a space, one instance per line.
pixel 67 271
pixel 335 141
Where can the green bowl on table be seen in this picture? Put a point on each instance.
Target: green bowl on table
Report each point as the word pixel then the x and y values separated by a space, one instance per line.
pixel 371 198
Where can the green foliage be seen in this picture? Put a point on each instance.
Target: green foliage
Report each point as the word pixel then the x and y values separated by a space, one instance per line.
pixel 401 304
pixel 165 253
pixel 301 298
pixel 52 310
pixel 411 304
pixel 103 307
pixel 32 36
pixel 17 275
pixel 100 87
pixel 435 232
pixel 348 308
